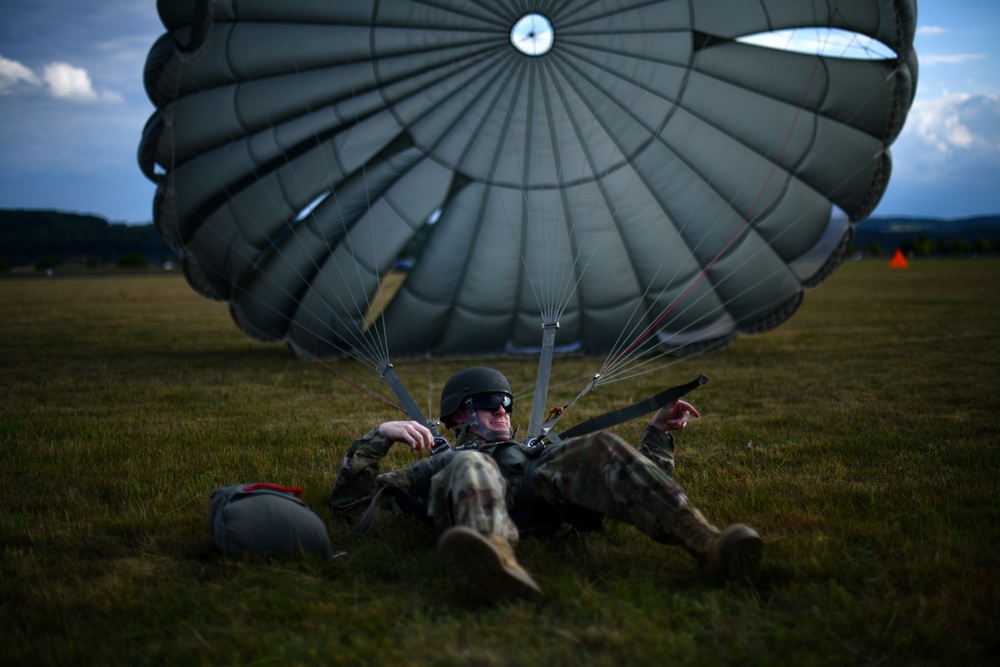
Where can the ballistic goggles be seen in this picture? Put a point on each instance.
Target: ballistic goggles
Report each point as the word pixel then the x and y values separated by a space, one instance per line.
pixel 492 401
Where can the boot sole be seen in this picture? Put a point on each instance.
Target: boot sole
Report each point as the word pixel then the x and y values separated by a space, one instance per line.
pixel 739 551
pixel 472 562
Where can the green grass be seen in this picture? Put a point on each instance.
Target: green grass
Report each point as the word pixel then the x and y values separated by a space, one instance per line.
pixel 860 438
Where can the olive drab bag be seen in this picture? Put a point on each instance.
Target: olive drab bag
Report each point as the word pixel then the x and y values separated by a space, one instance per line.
pixel 265 519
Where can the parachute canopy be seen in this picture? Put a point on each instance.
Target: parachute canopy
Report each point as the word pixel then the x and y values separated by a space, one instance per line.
pixel 621 167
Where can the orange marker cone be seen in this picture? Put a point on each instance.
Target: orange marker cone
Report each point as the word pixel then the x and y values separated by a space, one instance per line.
pixel 898 260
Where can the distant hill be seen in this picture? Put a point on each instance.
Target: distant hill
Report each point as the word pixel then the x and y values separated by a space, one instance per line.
pixel 892 233
pixel 29 235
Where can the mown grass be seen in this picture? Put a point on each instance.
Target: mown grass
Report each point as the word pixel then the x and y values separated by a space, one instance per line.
pixel 860 438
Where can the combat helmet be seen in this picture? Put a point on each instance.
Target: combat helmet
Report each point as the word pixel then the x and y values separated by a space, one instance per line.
pixel 466 383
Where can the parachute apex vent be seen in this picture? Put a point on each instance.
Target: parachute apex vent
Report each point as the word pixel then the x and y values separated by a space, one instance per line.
pixel 532 35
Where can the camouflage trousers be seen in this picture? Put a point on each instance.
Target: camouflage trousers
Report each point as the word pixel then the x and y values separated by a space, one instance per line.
pixel 600 473
pixel 470 491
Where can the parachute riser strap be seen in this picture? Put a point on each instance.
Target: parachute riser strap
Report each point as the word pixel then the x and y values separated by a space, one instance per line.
pixel 358 387
pixel 542 380
pixel 410 407
pixel 644 407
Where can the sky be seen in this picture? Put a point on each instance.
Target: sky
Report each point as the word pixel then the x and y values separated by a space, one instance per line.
pixel 72 109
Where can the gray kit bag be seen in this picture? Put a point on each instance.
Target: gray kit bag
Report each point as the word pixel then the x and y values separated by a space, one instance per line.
pixel 265 519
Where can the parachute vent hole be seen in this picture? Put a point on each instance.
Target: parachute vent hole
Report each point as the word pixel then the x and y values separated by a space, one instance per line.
pixel 532 35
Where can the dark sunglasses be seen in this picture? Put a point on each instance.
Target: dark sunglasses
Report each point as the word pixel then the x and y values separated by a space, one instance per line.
pixel 492 401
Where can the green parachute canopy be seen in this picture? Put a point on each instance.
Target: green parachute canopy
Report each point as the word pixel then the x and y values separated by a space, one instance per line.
pixel 629 169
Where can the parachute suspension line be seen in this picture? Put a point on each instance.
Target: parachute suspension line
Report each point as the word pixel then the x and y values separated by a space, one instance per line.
pixel 369 360
pixel 525 274
pixel 290 230
pixel 557 300
pixel 376 355
pixel 624 371
pixel 372 358
pixel 373 354
pixel 551 303
pixel 579 265
pixel 271 245
pixel 379 345
pixel 628 332
pixel 430 395
pixel 650 345
pixel 549 310
pixel 732 239
pixel 361 342
pixel 369 346
pixel 536 427
pixel 550 307
pixel 364 390
pixel 600 171
pixel 318 334
pixel 611 371
pixel 635 349
pixel 549 318
pixel 552 292
pixel 763 308
pixel 365 350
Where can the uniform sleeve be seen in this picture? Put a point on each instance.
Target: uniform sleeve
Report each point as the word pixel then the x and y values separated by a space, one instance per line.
pixel 658 446
pixel 358 470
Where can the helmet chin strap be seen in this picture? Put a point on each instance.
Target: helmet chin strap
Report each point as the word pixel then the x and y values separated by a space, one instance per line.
pixel 474 422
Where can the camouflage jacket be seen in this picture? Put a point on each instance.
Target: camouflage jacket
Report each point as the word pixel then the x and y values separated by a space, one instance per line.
pixel 360 475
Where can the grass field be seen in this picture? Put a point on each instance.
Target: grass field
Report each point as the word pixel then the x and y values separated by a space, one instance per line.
pixel 860 438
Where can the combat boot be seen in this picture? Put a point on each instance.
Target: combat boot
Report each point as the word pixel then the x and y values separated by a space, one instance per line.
pixel 486 566
pixel 732 553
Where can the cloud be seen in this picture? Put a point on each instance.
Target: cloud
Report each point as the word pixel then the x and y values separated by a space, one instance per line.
pixel 946 162
pixel 58 80
pixel 15 76
pixel 956 124
pixel 67 82
pixel 931 30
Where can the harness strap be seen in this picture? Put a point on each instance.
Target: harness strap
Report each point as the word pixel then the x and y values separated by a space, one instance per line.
pixel 403 498
pixel 615 417
pixel 535 516
pixel 528 488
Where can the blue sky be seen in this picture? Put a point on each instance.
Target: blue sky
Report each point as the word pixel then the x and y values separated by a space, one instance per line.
pixel 72 108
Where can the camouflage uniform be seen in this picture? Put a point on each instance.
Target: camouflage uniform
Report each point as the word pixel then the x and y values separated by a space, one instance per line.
pixel 505 488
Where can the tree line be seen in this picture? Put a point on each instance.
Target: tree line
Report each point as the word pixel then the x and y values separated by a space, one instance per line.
pixel 928 237
pixel 45 240
pixel 48 239
pixel 924 246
